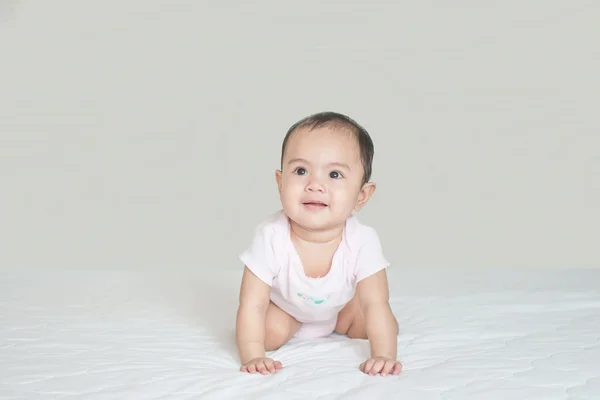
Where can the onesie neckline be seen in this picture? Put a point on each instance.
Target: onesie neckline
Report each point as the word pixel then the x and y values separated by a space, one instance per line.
pixel 347 235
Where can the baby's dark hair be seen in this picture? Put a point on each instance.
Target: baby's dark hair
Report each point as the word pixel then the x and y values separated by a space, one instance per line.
pixel 340 121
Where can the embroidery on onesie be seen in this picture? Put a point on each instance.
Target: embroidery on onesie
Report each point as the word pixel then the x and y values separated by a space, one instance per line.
pixel 313 300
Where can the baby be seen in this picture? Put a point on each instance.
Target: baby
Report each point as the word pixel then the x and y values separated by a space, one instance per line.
pixel 312 268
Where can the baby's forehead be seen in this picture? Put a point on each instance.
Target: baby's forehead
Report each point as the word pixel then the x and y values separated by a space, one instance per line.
pixel 324 137
pixel 324 145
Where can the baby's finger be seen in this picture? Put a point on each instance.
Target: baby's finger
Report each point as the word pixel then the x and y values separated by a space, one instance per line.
pixel 377 367
pixel 387 367
pixel 277 365
pixel 397 368
pixel 252 368
pixel 270 366
pixel 243 368
pixel 369 365
pixel 260 366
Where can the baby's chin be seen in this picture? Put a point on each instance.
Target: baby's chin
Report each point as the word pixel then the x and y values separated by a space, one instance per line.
pixel 321 220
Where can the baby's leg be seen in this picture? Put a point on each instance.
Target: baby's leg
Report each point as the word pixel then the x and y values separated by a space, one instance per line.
pixel 351 320
pixel 279 327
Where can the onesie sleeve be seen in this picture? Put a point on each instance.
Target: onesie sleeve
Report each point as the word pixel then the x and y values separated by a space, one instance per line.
pixel 370 258
pixel 259 257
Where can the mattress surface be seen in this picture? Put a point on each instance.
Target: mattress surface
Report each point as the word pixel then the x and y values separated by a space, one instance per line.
pixel 464 334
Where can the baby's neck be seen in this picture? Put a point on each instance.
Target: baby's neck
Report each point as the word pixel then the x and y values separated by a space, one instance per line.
pixel 319 238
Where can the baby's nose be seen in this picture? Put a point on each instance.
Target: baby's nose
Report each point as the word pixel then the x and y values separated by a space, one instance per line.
pixel 315 186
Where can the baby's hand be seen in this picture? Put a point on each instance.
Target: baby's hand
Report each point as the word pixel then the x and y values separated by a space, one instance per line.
pixel 381 365
pixel 263 365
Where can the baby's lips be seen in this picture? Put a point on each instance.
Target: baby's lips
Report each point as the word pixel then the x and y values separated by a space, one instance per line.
pixel 315 202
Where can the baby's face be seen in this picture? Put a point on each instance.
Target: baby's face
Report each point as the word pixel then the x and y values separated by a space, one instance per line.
pixel 321 181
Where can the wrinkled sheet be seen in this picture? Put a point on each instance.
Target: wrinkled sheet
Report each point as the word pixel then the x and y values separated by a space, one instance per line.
pixel 465 334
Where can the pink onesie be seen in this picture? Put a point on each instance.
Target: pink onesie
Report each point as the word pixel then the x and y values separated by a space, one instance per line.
pixel 315 302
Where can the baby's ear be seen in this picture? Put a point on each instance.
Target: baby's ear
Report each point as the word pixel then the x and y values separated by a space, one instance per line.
pixel 365 194
pixel 278 179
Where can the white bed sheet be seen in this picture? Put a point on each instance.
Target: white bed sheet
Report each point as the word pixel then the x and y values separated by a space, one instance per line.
pixel 465 334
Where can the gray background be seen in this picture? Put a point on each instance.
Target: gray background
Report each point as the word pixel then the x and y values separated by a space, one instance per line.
pixel 145 134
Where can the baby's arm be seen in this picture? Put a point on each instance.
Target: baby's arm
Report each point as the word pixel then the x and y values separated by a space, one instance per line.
pixel 250 322
pixel 380 324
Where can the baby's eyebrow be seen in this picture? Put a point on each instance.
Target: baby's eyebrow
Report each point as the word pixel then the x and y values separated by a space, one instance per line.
pixel 332 164
pixel 341 165
pixel 300 160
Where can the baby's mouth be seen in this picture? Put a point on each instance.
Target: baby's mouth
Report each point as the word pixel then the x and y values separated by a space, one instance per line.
pixel 314 205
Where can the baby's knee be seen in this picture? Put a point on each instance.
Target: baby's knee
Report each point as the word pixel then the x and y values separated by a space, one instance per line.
pixel 276 335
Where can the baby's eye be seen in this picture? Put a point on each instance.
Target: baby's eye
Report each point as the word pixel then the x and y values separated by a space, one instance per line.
pixel 335 175
pixel 300 171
